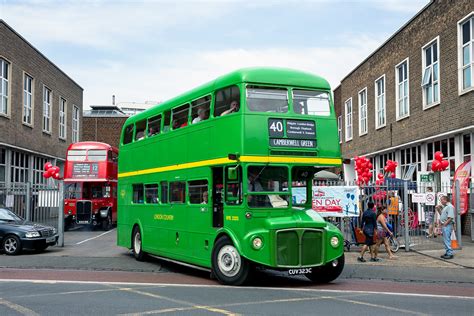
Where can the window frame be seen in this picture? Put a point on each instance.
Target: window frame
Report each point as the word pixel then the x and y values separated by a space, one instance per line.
pixel 62 116
pixel 468 17
pixel 347 139
pixel 423 70
pixel 30 107
pixel 359 94
pixel 4 61
pixel 75 123
pixel 49 106
pixel 407 82
pixel 376 102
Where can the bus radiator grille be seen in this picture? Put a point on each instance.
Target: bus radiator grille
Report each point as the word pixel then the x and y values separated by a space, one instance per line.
pixel 297 248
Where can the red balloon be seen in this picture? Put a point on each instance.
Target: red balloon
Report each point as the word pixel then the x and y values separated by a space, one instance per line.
pixel 50 171
pixel 46 175
pixel 435 165
pixel 380 176
pixel 444 164
pixel 439 156
pixel 56 169
pixel 47 166
pixel 56 176
pixel 393 176
pixel 370 165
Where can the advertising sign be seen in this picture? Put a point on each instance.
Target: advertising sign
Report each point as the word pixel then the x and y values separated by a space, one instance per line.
pixel 337 201
pixel 418 197
pixel 462 175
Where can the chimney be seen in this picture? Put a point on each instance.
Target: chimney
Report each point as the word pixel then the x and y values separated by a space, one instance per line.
pixel 113 99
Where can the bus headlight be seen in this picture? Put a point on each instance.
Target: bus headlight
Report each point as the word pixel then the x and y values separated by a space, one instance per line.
pixel 334 241
pixel 257 243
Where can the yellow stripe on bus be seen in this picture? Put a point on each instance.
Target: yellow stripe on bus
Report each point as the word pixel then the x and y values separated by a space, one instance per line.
pixel 218 161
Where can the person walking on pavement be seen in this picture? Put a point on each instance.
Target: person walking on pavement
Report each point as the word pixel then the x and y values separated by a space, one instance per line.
pixel 447 220
pixel 369 222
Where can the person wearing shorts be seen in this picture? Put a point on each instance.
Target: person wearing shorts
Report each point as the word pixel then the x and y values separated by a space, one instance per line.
pixel 369 223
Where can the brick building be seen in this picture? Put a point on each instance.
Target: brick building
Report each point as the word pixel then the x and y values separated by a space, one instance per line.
pixel 40 110
pixel 414 95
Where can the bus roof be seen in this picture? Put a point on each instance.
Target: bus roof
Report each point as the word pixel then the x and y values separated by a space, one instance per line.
pixel 257 75
pixel 92 145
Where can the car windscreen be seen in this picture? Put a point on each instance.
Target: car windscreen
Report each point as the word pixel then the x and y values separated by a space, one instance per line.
pixel 7 215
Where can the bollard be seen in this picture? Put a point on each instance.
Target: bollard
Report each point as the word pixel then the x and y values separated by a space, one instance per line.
pixel 457 214
pixel 405 216
pixel 61 214
pixel 28 201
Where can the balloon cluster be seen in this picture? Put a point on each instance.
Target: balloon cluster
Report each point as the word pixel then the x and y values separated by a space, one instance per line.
pixel 363 166
pixel 379 195
pixel 390 168
pixel 51 171
pixel 439 164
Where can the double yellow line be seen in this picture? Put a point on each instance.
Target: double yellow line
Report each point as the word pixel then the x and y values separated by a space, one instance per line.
pixel 220 161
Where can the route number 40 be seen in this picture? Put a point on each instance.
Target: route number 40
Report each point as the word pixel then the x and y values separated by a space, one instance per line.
pixel 277 126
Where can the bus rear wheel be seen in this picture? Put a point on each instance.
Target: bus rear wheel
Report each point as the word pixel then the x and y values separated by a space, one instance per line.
pixel 137 244
pixel 228 266
pixel 327 273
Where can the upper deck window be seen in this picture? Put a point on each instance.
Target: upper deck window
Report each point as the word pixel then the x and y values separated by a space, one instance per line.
pixel 154 125
pixel 200 109
pixel 97 155
pixel 140 128
pixel 227 101
pixel 261 99
pixel 180 116
pixel 128 134
pixel 76 155
pixel 310 102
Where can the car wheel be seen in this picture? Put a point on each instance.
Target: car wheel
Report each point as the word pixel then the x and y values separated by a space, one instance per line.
pixel 228 266
pixel 327 273
pixel 137 244
pixel 11 245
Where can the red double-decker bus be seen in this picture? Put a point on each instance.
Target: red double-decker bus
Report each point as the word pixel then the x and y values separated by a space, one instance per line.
pixel 90 184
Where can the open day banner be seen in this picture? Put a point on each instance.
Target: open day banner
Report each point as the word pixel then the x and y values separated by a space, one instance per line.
pixel 330 201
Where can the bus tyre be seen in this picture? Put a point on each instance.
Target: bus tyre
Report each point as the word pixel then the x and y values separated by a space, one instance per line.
pixel 228 266
pixel 137 244
pixel 327 273
pixel 107 223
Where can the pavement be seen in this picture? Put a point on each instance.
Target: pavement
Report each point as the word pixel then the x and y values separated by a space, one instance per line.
pixel 463 257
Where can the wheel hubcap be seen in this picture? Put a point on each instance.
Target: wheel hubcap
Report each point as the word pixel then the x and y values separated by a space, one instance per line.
pixel 229 261
pixel 10 245
pixel 137 243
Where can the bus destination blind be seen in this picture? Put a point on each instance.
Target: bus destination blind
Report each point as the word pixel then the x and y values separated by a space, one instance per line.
pixel 85 170
pixel 292 133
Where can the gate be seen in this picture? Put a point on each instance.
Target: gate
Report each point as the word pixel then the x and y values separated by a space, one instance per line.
pixel 38 203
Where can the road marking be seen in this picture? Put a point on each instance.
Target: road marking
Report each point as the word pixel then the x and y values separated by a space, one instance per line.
pixel 191 305
pixel 400 310
pixel 92 238
pixel 18 308
pixel 237 287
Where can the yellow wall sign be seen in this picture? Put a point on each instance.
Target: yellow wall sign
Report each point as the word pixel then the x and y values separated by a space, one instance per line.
pixel 163 217
pixel 231 218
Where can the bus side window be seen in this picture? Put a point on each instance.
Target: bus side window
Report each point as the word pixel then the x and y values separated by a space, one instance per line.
pixel 140 127
pixel 224 98
pixel 200 109
pixel 128 134
pixel 154 125
pixel 198 192
pixel 180 116
pixel 164 192
pixel 233 188
pixel 151 193
pixel 177 192
pixel 167 120
pixel 137 193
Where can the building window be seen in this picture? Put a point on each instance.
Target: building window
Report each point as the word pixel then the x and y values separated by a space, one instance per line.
pixel 19 167
pixel 4 86
pixel 75 124
pixel 410 163
pixel 430 79
pixel 403 103
pixel 380 161
pixel 466 44
pixel 27 100
pixel 348 109
pixel 38 164
pixel 380 117
pixel 46 110
pixel 446 146
pixel 339 128
pixel 2 165
pixel 62 118
pixel 466 149
pixel 363 112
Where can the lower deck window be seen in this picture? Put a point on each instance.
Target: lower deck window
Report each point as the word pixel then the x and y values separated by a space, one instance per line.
pixel 137 193
pixel 177 192
pixel 198 192
pixel 151 193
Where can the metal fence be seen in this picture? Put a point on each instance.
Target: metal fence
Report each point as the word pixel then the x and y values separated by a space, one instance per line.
pixel 37 203
pixel 415 224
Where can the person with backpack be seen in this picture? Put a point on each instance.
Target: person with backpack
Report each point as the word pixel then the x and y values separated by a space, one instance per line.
pixel 369 223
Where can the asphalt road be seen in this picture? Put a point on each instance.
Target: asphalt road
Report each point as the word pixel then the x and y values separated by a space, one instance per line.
pixel 65 298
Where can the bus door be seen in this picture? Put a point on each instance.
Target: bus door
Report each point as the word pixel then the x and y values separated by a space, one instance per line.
pixel 217 203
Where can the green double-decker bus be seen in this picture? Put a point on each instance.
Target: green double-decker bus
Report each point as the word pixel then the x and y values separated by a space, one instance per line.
pixel 206 178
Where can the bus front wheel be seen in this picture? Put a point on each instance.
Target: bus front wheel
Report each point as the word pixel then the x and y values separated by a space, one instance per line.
pixel 137 244
pixel 228 266
pixel 327 273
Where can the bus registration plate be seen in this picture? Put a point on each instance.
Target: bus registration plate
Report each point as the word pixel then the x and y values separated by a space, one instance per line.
pixel 300 271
